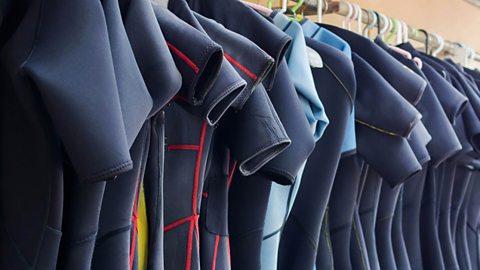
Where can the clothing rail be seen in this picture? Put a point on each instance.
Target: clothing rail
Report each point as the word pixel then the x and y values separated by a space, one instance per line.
pixel 341 8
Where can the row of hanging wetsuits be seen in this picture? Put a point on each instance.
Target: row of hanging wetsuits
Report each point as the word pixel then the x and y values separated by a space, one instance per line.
pixel 206 135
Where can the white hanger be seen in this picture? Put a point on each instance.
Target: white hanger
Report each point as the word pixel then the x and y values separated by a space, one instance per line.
pixel 369 26
pixel 349 14
pixel 400 30
pixel 352 17
pixel 284 6
pixel 441 44
pixel 406 29
pixel 319 10
pixel 359 19
pixel 386 25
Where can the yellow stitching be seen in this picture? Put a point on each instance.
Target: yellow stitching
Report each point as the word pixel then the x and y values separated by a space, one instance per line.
pixel 355 232
pixel 329 241
pixel 341 83
pixel 377 129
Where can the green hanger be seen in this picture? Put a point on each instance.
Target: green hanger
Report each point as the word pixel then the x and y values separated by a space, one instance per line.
pixel 294 10
pixel 297 6
pixel 269 4
pixel 394 30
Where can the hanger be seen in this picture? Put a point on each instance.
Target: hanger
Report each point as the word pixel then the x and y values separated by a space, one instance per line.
pixel 359 19
pixel 352 16
pixel 260 8
pixel 392 30
pixel 372 19
pixel 294 10
pixel 349 14
pixel 399 37
pixel 284 6
pixel 441 44
pixel 427 41
pixel 377 15
pixel 386 25
pixel 400 33
pixel 320 5
pixel 418 62
pixel 406 29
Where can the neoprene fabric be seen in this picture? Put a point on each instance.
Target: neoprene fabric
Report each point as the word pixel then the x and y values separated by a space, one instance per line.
pixel 203 134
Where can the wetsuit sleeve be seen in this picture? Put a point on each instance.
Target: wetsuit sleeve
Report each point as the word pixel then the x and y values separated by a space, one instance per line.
pixel 452 101
pixel 381 136
pixel 406 82
pixel 249 60
pixel 226 89
pixel 391 156
pixel 257 134
pixel 156 64
pixel 71 65
pixel 373 87
pixel 197 57
pixel 202 66
pixel 284 167
pixel 418 142
pixel 247 23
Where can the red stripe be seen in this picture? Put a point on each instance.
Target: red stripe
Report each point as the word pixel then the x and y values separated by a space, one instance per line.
pixel 183 147
pixel 135 224
pixel 177 223
pixel 241 67
pixel 197 169
pixel 189 246
pixel 132 248
pixel 178 97
pixel 215 251
pixel 194 222
pixel 231 173
pixel 228 251
pixel 185 58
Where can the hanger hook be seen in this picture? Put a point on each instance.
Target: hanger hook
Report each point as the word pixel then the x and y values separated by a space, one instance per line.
pixel 379 20
pixel 386 25
pixel 349 14
pixel 353 17
pixel 372 20
pixel 441 44
pixel 406 29
pixel 359 19
pixel 427 39
pixel 399 36
pixel 393 30
pixel 325 5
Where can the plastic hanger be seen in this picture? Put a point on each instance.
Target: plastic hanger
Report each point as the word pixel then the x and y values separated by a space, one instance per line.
pixel 352 16
pixel 386 25
pixel 269 4
pixel 379 29
pixel 359 19
pixel 258 7
pixel 349 14
pixel 320 5
pixel 427 39
pixel 406 30
pixel 441 44
pixel 399 37
pixel 392 31
pixel 284 6
pixel 372 18
pixel 403 52
pixel 294 10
